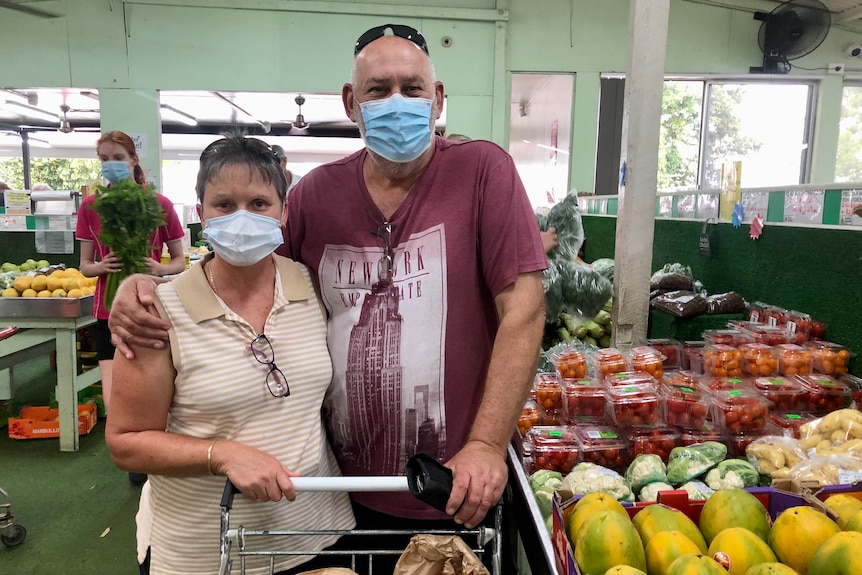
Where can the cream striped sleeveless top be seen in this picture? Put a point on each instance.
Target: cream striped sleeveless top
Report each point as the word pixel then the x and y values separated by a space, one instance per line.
pixel 220 392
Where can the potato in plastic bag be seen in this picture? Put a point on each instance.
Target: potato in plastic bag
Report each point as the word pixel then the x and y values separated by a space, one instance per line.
pixel 686 463
pixel 828 470
pixel 774 455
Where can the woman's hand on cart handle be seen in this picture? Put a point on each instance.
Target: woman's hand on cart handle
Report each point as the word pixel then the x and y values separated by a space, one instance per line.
pixel 134 319
pixel 257 474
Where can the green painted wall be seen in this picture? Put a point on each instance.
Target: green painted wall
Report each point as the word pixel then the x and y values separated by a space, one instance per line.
pixel 812 270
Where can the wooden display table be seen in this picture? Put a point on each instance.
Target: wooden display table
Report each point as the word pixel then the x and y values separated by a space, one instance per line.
pixel 47 324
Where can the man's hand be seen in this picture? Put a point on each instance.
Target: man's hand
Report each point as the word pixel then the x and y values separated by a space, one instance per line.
pixel 133 316
pixel 480 476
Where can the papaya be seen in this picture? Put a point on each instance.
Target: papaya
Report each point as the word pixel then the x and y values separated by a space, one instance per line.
pixel 844 506
pixel 771 569
pixel 797 533
pixel 657 518
pixel 838 555
pixel 624 570
pixel 737 549
pixel 664 548
pixel 587 506
pixel 855 523
pixel 734 508
pixel 605 540
pixel 695 565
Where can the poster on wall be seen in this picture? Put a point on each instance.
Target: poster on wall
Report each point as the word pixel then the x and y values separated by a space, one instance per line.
pixel 555 129
pixel 16 202
pixel 686 207
pixel 707 206
pixel 849 200
pixel 804 206
pixel 665 206
pixel 754 203
pixel 140 139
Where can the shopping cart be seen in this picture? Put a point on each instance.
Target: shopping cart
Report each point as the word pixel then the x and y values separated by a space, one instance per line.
pixel 237 538
pixel 11 533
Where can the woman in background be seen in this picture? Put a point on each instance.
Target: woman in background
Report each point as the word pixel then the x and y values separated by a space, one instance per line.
pixel 116 150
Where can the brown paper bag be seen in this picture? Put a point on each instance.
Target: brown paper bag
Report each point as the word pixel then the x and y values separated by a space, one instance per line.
pixel 439 555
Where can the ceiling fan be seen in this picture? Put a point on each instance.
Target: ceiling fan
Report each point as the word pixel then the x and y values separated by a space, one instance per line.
pixel 66 126
pixel 27 9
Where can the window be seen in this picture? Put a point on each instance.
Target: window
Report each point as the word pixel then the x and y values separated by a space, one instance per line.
pixel 848 165
pixel 763 125
pixel 706 123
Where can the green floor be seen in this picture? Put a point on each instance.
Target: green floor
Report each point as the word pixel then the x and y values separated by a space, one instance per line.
pixel 78 509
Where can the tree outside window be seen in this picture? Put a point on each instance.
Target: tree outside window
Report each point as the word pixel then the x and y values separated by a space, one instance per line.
pixel 59 173
pixel 848 164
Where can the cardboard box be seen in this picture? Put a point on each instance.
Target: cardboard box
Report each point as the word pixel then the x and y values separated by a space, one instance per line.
pixel 773 499
pixel 42 421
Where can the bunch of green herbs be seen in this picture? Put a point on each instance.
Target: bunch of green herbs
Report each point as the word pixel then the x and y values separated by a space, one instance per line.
pixel 129 213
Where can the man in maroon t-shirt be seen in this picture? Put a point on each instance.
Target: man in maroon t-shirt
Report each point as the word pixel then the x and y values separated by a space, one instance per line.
pixel 429 263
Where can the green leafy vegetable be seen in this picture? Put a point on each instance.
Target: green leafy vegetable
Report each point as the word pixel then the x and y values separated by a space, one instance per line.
pixel 129 214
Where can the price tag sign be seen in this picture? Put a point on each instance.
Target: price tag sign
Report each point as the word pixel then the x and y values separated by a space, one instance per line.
pixel 703 241
pixel 804 206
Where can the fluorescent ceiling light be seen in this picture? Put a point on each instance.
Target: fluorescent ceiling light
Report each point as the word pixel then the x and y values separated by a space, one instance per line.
pixel 177 115
pixel 30 111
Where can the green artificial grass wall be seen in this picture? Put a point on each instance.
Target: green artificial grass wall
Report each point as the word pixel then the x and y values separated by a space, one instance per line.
pixel 812 270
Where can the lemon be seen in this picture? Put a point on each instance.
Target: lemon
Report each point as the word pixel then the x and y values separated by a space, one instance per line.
pixel 57 274
pixel 29 293
pixel 70 283
pixel 54 283
pixel 22 283
pixel 9 292
pixel 44 293
pixel 40 283
pixel 72 272
pixel 75 293
pixel 58 293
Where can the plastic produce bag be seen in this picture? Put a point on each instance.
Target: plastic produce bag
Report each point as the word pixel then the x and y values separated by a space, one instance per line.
pixel 828 470
pixel 729 302
pixel 645 468
pixel 687 463
pixel 565 217
pixel 438 555
pixel 584 290
pixel 591 478
pixel 697 490
pixel 774 455
pixel 732 474
pixel 672 277
pixel 650 490
pixel 680 303
pixel 605 266
pixel 552 283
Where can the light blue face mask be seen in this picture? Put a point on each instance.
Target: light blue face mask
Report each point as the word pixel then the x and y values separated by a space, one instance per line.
pixel 242 238
pixel 397 128
pixel 116 170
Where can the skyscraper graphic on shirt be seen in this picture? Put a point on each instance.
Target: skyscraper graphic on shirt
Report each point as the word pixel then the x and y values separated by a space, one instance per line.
pixel 386 340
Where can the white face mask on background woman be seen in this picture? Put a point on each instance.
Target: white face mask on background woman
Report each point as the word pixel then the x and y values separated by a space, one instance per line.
pixel 242 238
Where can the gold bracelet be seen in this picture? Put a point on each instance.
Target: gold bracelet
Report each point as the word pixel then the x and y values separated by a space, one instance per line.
pixel 210 457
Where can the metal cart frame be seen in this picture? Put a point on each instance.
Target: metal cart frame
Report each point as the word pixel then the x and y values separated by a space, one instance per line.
pixel 236 537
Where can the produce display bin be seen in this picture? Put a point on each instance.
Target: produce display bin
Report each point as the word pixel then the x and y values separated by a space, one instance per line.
pixel 774 500
pixel 47 324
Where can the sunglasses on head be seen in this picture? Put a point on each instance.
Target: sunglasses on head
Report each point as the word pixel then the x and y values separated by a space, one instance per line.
pixel 254 144
pixel 399 30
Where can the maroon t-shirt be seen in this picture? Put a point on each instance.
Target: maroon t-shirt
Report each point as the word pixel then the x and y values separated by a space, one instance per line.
pixel 410 357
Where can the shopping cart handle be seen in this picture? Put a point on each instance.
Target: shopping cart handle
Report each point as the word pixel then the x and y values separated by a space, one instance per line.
pixel 427 480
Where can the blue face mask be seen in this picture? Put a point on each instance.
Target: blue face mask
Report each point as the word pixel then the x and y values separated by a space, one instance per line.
pixel 397 128
pixel 116 170
pixel 242 238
